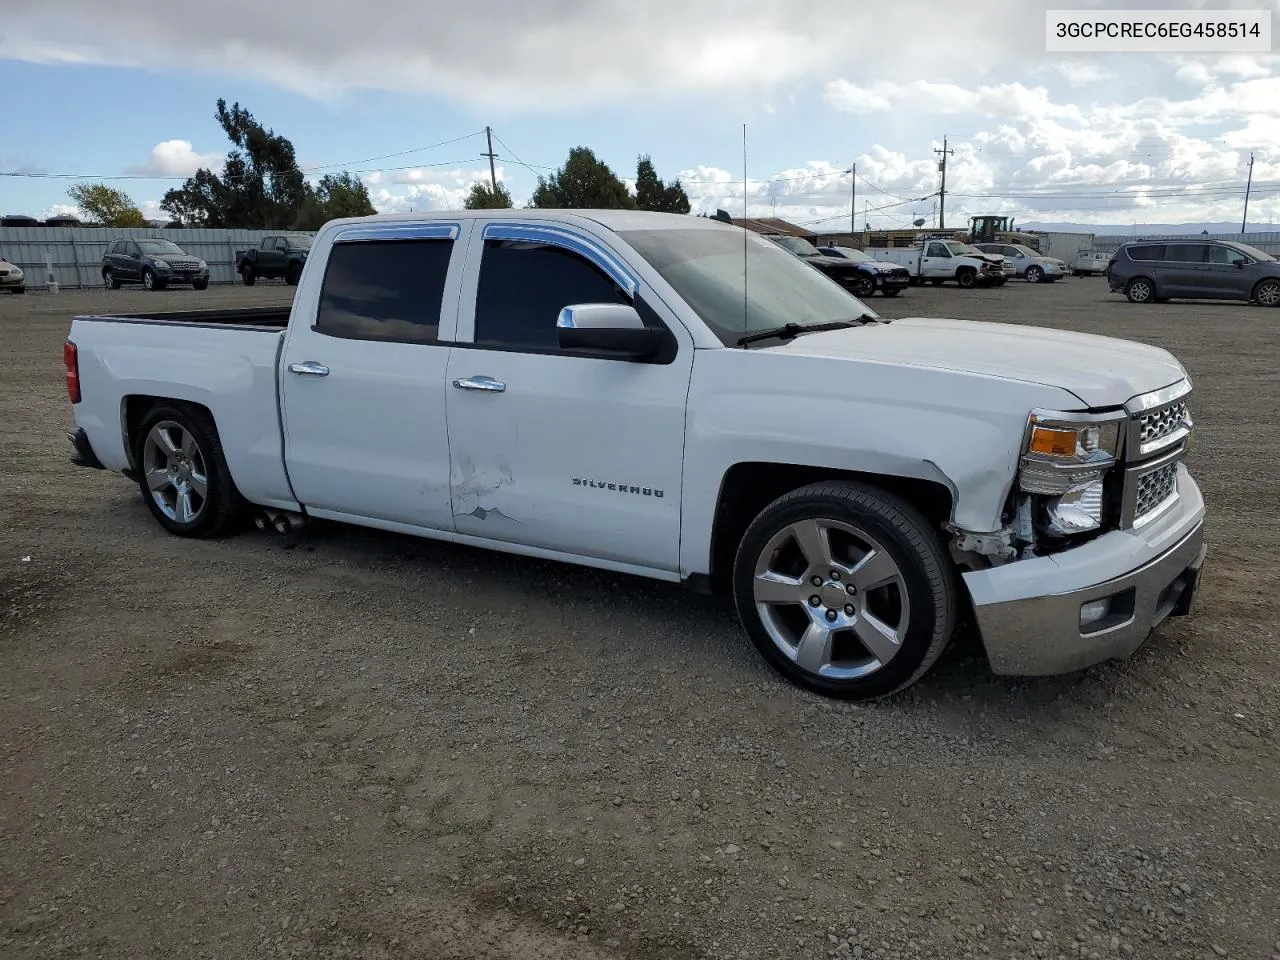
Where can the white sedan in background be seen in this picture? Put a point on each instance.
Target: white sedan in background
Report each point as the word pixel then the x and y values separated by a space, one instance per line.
pixel 11 277
pixel 1027 263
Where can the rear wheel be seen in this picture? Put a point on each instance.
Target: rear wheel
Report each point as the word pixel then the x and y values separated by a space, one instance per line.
pixel 293 274
pixel 109 279
pixel 845 590
pixel 183 473
pixel 247 275
pixel 1267 293
pixel 1140 290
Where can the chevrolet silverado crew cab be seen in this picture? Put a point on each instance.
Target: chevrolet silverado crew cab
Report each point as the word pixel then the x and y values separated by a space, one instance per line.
pixel 674 397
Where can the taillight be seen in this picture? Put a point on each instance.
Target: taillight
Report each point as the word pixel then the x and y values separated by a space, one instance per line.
pixel 72 361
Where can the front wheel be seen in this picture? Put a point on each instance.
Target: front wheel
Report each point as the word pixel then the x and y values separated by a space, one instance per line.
pixel 1140 290
pixel 183 473
pixel 151 281
pixel 247 275
pixel 845 590
pixel 1034 275
pixel 966 278
pixel 864 287
pixel 892 292
pixel 1267 293
pixel 200 285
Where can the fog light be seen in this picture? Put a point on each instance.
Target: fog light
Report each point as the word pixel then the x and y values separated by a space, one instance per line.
pixel 1093 611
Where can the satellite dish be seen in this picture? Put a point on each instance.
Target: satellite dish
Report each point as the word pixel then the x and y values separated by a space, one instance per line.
pixel 919 223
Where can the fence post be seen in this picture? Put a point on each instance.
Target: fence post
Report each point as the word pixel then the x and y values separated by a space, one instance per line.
pixel 51 281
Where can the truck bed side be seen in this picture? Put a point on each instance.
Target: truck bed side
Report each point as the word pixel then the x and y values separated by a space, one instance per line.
pixel 217 361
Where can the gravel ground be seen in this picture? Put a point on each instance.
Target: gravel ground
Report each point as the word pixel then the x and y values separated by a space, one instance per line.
pixel 366 745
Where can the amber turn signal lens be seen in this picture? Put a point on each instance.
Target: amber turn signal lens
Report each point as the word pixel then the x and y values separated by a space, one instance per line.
pixel 1049 442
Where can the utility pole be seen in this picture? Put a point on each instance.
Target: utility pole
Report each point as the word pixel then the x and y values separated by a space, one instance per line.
pixel 942 192
pixel 493 176
pixel 853 201
pixel 1247 188
pixel 865 224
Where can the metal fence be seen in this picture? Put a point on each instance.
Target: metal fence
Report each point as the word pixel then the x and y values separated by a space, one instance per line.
pixel 1266 242
pixel 76 252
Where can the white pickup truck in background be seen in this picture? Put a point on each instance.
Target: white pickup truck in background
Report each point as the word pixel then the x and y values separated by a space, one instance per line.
pixel 607 388
pixel 939 261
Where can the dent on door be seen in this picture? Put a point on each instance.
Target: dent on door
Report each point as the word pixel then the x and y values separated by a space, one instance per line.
pixel 474 488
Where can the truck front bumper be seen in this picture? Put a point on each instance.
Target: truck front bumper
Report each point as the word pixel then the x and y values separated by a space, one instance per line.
pixel 1034 614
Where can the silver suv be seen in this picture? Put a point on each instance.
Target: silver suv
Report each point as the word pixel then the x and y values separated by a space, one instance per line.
pixel 1155 271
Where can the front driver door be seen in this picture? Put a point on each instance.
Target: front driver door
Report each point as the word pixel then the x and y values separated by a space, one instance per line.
pixel 574 454
pixel 937 261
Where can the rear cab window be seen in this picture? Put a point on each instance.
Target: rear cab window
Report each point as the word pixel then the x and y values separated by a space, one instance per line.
pixel 388 290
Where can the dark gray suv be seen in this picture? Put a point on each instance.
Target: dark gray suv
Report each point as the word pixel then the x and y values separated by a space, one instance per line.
pixel 1155 271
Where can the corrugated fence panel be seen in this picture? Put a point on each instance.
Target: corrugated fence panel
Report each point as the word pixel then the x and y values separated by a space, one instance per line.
pixel 1267 242
pixel 76 252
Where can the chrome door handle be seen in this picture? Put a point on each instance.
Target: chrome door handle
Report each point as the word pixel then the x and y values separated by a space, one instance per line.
pixel 480 383
pixel 309 368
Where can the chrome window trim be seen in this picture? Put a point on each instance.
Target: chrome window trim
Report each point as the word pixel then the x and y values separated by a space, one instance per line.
pixel 595 252
pixel 399 231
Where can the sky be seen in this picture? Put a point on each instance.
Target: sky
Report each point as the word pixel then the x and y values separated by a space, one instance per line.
pixel 127 91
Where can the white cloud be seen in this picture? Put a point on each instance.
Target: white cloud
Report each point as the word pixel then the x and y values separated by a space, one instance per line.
pixel 1079 73
pixel 424 188
pixel 999 100
pixel 177 158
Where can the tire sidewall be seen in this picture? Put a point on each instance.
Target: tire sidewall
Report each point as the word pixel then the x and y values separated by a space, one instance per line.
pixel 1034 274
pixel 923 627
pixel 1257 293
pixel 109 279
pixel 1128 292
pixel 966 278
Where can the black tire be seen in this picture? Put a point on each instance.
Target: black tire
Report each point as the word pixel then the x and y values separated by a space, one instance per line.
pixel 18 290
pixel 1000 281
pixel 222 506
pixel 864 287
pixel 1034 274
pixel 905 536
pixel 1140 290
pixel 110 280
pixel 247 275
pixel 966 277
pixel 150 280
pixel 1267 293
pixel 892 292
pixel 200 285
pixel 293 274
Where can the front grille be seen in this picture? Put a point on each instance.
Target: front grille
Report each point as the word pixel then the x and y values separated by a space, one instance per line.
pixel 1156 427
pixel 1154 488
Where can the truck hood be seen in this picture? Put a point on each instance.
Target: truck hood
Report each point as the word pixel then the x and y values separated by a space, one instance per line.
pixel 1101 371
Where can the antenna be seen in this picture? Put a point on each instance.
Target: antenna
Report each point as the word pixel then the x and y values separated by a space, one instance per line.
pixel 744 228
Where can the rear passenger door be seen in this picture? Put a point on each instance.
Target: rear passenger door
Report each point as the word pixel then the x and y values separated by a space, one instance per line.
pixel 363 384
pixel 130 262
pixel 1182 272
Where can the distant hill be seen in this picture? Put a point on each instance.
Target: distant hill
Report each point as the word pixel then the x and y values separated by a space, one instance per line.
pixel 1145 229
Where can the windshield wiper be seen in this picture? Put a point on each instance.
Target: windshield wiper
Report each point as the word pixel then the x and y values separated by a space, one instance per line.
pixel 789 331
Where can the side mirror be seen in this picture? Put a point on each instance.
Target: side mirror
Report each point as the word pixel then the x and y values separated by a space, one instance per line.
pixel 1239 263
pixel 607 328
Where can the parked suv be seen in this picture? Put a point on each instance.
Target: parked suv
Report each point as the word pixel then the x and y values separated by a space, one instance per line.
pixel 154 263
pixel 1147 272
pixel 860 275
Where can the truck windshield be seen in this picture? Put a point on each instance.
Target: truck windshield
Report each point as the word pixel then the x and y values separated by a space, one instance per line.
pixel 705 266
pixel 801 248
pixel 161 248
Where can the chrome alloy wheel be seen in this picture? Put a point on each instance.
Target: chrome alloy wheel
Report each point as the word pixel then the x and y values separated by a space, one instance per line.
pixel 175 471
pixel 831 598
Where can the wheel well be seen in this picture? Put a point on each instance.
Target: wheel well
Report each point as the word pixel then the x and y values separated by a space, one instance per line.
pixel 136 408
pixel 748 488
pixel 1258 286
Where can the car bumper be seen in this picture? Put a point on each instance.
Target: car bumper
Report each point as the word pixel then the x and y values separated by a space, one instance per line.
pixel 84 455
pixel 12 281
pixel 1029 611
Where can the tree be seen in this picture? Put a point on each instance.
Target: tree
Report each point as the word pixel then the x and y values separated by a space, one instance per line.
pixel 653 194
pixel 337 195
pixel 584 182
pixel 106 206
pixel 260 185
pixel 486 197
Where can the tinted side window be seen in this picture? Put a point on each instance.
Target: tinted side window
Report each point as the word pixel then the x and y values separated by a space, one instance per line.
pixel 523 288
pixel 384 290
pixel 938 250
pixel 1184 252
pixel 1221 254
pixel 1146 251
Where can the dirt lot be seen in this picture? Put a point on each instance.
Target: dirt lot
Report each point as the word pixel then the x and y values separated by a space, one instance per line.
pixel 375 746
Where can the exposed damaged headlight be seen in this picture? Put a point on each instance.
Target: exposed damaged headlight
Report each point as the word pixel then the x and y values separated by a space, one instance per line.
pixel 1077 511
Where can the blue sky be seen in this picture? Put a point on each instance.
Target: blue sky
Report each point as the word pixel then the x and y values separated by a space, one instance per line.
pixel 1109 138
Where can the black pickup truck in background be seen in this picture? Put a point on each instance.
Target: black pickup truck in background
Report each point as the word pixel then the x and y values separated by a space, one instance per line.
pixel 279 255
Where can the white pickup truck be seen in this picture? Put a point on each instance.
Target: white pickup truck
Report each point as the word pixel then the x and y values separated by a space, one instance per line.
pixel 673 397
pixel 941 260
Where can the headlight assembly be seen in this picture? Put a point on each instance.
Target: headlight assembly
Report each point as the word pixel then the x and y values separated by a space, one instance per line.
pixel 1065 452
